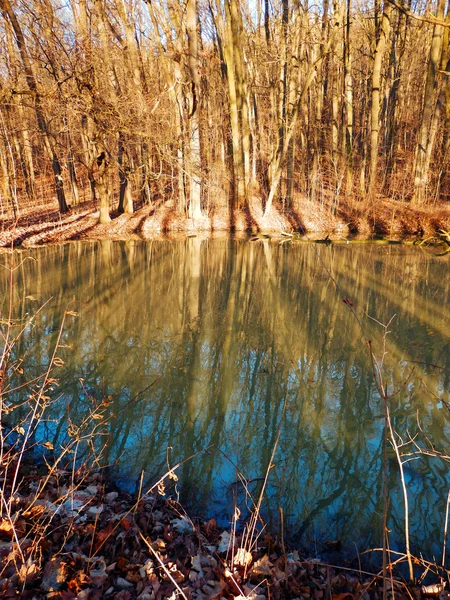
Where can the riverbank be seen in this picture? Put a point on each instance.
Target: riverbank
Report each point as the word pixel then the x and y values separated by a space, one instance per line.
pixel 79 538
pixel 388 218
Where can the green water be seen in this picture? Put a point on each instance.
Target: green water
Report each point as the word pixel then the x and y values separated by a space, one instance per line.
pixel 199 343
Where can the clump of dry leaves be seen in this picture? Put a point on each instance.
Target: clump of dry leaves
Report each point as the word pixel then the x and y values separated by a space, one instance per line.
pixel 99 543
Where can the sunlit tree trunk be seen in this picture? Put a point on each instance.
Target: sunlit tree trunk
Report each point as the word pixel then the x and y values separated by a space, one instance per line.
pixel 282 83
pixel 348 90
pixel 194 113
pixel 241 86
pixel 101 187
pixel 125 197
pixel 73 176
pixel 87 128
pixel 445 148
pixel 25 153
pixel 111 91
pixel 9 189
pixel 335 89
pixel 234 104
pixel 393 85
pixel 376 94
pixel 426 137
pixel 180 90
pixel 135 80
pixel 289 84
pixel 292 91
pixel 294 112
pixel 231 40
pixel 146 195
pixel 49 143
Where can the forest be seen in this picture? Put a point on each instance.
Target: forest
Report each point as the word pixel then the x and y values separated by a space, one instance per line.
pixel 218 105
pixel 267 384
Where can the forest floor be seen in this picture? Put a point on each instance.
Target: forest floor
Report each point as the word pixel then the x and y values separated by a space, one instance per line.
pixel 72 537
pixel 386 218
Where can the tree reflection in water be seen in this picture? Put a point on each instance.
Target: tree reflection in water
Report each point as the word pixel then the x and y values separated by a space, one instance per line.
pixel 208 337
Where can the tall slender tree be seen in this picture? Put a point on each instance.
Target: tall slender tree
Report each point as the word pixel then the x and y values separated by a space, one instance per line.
pixel 49 142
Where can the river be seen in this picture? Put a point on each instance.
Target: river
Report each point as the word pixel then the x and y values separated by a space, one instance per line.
pixel 199 343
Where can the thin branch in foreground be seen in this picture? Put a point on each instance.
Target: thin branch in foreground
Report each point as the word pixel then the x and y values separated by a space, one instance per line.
pixel 163 566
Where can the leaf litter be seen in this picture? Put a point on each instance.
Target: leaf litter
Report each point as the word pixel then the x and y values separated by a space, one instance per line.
pixel 102 543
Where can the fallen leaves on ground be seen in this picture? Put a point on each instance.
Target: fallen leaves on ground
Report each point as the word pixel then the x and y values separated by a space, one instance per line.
pixel 80 540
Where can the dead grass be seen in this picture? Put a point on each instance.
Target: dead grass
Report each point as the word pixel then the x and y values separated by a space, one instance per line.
pixel 382 217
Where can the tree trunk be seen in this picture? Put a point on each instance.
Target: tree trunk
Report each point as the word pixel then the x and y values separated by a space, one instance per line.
pixel 9 188
pixel 101 188
pixel 50 145
pixel 425 140
pixel 335 93
pixel 392 84
pixel 348 90
pixel 294 112
pixel 125 198
pixel 26 155
pixel 229 50
pixel 376 95
pixel 194 170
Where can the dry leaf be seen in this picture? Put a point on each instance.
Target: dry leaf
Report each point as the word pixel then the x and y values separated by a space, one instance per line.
pixel 213 589
pixel 210 526
pixel 182 525
pixel 123 584
pixel 196 571
pixel 27 572
pixel 6 529
pixel 224 543
pixel 262 566
pixel 242 558
pixel 433 589
pixel 55 572
pixel 98 572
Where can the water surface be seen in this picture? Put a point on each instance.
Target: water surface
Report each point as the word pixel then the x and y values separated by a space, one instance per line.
pixel 198 344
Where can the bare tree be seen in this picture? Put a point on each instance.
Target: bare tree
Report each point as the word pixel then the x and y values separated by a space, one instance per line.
pixel 49 141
